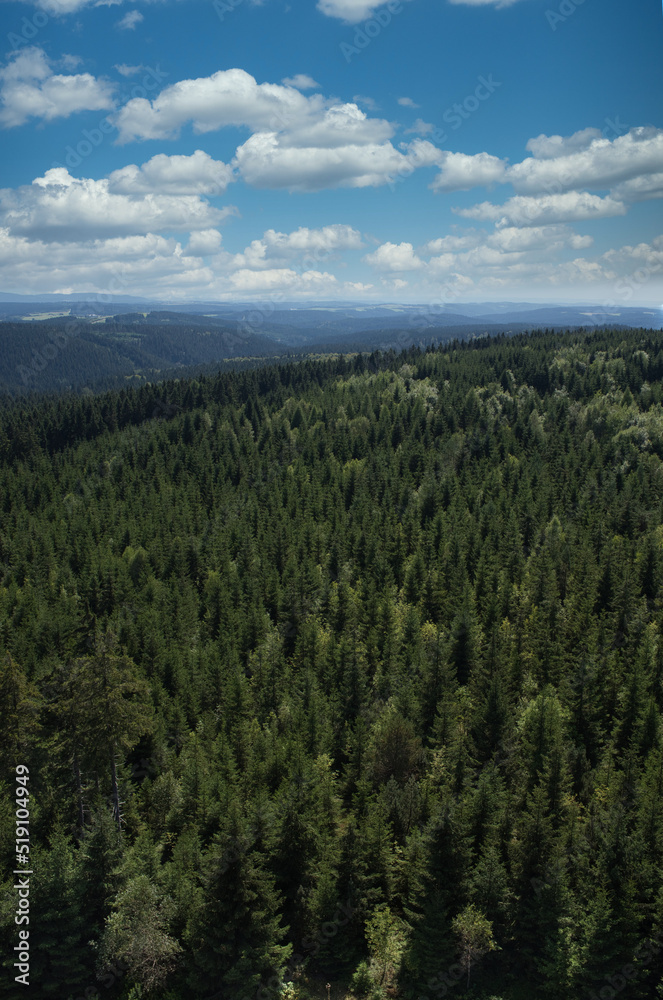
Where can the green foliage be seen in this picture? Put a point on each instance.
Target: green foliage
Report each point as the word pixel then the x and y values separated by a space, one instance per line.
pixel 475 937
pixel 342 662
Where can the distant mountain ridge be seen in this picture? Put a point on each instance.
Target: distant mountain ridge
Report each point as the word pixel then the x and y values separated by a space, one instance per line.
pixel 322 317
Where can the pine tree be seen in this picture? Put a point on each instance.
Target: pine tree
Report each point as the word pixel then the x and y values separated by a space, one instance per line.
pixel 236 936
pixel 431 944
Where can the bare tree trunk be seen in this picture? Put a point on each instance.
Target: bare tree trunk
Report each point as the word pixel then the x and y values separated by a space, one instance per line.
pixel 116 793
pixel 79 794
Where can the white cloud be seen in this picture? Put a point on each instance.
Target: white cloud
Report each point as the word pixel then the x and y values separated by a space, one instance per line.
pixel 130 20
pixel 485 3
pixel 420 127
pixel 125 70
pixel 338 126
pixel 554 184
pixel 70 62
pixel 648 254
pixel 304 240
pixel 298 142
pixel 228 97
pixel 196 174
pixel 350 11
pixel 482 261
pixel 460 172
pixel 510 239
pixel 587 160
pixel 301 82
pixel 545 210
pixel 129 264
pixel 549 238
pixel 313 245
pixel 205 241
pixel 394 257
pixel 453 243
pixel 63 208
pixel 640 188
pixel 30 89
pixel 283 279
pixel 264 161
pixel 550 147
pixel 365 101
pixel 407 102
pixel 62 7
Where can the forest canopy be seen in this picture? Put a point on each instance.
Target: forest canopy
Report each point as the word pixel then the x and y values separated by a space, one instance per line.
pixel 341 671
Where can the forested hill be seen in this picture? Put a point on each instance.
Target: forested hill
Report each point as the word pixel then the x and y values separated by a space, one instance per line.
pixel 68 354
pixel 345 671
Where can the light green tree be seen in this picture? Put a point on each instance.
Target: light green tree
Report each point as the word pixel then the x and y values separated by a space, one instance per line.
pixel 386 941
pixel 475 937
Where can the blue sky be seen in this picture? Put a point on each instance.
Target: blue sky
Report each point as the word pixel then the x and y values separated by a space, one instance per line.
pixel 429 151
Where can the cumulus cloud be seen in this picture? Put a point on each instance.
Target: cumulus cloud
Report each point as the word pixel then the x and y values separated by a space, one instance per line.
pixel 228 97
pixel 461 172
pixel 301 82
pixel 350 11
pixel 587 160
pixel 545 210
pixel 557 183
pixel 130 20
pixel 195 174
pixel 309 282
pixel 485 3
pixel 309 244
pixel 61 7
pixel 30 89
pixel 512 239
pixel 70 62
pixel 420 127
pixel 97 266
pixel 125 70
pixel 549 147
pixel 205 241
pixel 484 260
pixel 453 243
pixel 366 101
pixel 63 208
pixel 394 257
pixel 264 161
pixel 338 126
pixel 407 102
pixel 640 188
pixel 297 142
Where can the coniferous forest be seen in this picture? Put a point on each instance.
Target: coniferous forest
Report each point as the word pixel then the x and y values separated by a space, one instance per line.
pixel 341 677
